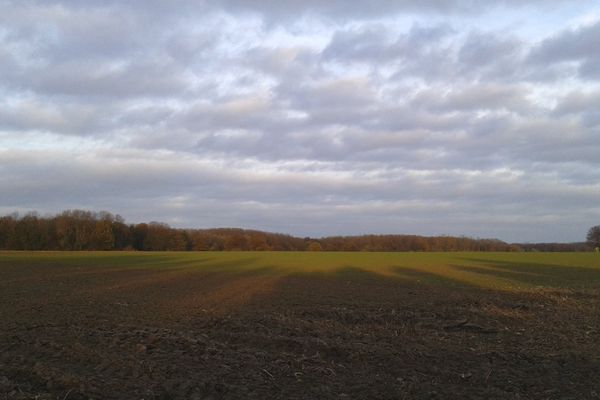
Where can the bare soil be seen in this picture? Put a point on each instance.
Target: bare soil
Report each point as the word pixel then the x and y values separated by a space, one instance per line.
pixel 69 332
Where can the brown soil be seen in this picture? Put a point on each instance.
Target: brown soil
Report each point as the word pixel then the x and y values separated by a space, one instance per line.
pixel 76 333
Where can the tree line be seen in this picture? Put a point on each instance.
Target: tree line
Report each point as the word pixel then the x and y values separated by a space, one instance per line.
pixel 87 230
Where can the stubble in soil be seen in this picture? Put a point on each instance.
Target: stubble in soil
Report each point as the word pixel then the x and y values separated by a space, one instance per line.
pixel 81 333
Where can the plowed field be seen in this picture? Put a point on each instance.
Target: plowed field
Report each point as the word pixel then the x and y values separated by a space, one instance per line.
pixel 299 326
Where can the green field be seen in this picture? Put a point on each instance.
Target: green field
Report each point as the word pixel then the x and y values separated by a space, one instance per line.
pixel 504 271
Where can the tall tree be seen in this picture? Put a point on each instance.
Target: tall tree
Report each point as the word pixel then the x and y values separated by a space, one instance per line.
pixel 7 231
pixel 593 236
pixel 102 237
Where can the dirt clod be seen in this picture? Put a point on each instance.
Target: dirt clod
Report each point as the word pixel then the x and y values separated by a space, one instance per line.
pixel 181 334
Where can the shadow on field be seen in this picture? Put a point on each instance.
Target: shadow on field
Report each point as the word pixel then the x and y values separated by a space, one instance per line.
pixel 47 267
pixel 186 282
pixel 391 276
pixel 535 274
pixel 155 327
pixel 417 276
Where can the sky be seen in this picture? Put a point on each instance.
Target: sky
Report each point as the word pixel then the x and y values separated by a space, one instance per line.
pixel 313 118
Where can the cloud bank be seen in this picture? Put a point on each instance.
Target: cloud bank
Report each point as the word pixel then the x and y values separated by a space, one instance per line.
pixel 309 118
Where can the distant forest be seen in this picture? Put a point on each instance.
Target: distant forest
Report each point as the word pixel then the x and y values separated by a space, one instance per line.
pixel 86 230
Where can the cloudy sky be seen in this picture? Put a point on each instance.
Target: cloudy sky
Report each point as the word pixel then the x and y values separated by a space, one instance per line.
pixel 306 117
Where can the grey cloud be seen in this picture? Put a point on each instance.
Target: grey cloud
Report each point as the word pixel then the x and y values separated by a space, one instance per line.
pixel 431 52
pixel 9 68
pixel 568 45
pixel 591 119
pixel 492 55
pixel 577 45
pixel 96 34
pixel 172 186
pixel 367 44
pixel 372 9
pixel 294 8
pixel 292 62
pixel 590 68
pixel 37 116
pixel 100 49
pixel 192 47
pixel 484 48
pixel 130 79
pixel 57 33
pixel 404 117
pixel 246 113
pixel 550 140
pixel 477 97
pixel 373 43
pixel 577 102
pixel 347 93
pixel 584 105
